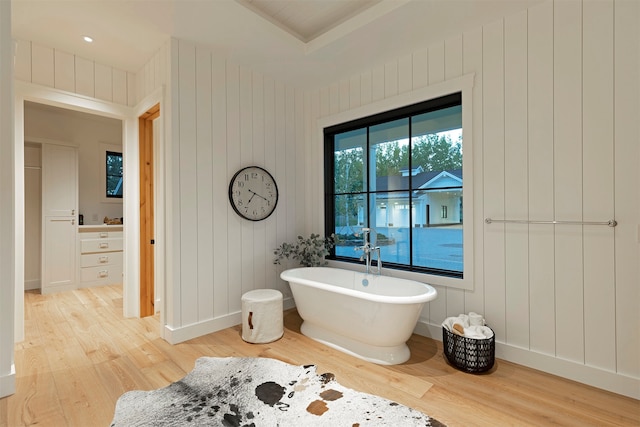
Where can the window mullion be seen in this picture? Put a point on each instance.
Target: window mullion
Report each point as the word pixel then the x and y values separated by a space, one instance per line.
pixel 410 197
pixel 368 189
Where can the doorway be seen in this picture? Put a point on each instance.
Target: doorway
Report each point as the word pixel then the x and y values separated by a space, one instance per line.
pixel 65 188
pixel 129 116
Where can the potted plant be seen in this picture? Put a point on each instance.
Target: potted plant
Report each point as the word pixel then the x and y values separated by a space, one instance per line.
pixel 309 252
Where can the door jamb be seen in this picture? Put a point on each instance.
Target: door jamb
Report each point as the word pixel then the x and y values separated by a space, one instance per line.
pixel 146 138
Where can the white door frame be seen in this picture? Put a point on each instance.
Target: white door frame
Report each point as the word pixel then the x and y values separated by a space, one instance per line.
pixel 129 116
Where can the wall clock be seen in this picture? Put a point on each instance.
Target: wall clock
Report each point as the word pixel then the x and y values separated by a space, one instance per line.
pixel 253 193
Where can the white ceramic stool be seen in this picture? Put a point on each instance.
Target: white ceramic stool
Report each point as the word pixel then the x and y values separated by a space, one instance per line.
pixel 262 316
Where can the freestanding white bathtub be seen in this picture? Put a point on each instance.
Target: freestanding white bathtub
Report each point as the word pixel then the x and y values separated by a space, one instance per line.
pixel 365 315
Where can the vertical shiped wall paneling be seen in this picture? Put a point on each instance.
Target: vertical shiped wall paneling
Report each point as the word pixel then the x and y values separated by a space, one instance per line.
pixel 598 184
pixel 551 131
pixel 540 163
pixel 567 172
pixel 516 307
pixel 494 173
pixel 154 73
pixel 57 69
pixel 204 181
pixel 229 117
pixel 627 182
pixel 428 66
pixel 8 298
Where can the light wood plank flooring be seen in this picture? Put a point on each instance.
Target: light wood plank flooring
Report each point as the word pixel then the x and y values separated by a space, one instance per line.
pixel 80 355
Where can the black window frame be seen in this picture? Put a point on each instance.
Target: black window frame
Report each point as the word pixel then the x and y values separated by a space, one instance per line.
pixel 107 175
pixel 442 102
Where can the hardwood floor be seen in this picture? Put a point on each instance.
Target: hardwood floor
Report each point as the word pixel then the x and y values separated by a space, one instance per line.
pixel 80 355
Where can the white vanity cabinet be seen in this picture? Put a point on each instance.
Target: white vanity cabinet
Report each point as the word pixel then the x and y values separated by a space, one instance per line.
pixel 100 255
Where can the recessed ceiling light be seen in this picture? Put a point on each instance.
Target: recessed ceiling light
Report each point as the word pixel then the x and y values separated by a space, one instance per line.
pixel 87 39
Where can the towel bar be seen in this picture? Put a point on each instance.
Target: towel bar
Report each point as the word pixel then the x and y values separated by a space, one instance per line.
pixel 610 223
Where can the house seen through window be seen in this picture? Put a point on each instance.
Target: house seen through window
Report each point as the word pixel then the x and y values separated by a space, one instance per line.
pixel 399 173
pixel 114 174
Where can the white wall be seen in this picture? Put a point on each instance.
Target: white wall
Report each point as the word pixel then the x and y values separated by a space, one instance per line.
pixel 555 137
pixel 7 183
pixel 225 117
pixel 549 143
pixel 563 298
pixel 32 216
pixel 54 68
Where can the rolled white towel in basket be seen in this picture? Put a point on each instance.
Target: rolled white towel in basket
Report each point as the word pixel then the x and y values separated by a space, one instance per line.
pixel 478 332
pixel 476 319
pixel 469 326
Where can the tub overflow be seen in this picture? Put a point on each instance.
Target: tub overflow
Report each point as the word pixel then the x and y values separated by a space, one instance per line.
pixel 365 282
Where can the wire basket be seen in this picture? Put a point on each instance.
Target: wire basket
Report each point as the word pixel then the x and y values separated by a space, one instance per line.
pixel 469 354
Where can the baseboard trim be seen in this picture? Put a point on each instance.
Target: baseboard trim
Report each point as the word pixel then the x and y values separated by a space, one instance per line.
pixel 209 326
pixel 30 285
pixel 195 330
pixel 8 383
pixel 589 375
pixel 288 303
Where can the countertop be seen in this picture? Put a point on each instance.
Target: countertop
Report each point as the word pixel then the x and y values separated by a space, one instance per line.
pixel 100 227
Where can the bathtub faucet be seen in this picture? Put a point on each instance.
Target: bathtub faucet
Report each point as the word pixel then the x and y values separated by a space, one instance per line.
pixel 366 249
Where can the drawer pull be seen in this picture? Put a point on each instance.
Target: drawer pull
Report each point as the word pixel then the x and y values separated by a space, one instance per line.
pixel 103 235
pixel 103 245
pixel 103 273
pixel 103 259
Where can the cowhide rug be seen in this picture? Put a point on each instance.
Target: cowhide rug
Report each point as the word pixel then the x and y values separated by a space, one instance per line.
pixel 260 392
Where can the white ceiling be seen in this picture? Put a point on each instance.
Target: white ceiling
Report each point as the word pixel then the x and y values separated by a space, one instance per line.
pixel 308 19
pixel 303 42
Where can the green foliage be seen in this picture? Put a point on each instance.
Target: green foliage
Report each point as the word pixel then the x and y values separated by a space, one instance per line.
pixel 309 252
pixel 434 152
pixel 349 239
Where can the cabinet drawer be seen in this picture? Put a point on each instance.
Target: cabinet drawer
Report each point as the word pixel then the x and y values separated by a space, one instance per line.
pixel 103 258
pixel 100 245
pixel 100 234
pixel 104 274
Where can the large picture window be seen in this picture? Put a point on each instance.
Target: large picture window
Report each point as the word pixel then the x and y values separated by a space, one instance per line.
pixel 400 174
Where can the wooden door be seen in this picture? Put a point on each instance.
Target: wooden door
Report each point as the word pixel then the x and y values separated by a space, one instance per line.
pixel 59 209
pixel 147 238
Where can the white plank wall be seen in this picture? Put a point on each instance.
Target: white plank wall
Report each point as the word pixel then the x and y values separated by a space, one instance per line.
pixel 204 178
pixel 494 175
pixel 567 173
pixel 7 229
pixel 57 69
pixel 598 183
pixel 226 117
pixel 472 63
pixel 554 139
pixel 627 182
pixel 542 320
pixel 517 316
pixel 555 134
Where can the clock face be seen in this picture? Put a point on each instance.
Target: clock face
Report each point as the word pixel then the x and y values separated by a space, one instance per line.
pixel 253 193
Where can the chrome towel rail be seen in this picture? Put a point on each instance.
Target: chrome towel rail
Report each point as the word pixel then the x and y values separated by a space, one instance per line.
pixel 610 223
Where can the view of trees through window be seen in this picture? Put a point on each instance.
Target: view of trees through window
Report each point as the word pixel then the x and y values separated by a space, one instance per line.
pixel 402 177
pixel 114 174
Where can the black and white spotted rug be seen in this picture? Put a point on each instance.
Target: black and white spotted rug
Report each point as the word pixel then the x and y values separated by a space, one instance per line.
pixel 256 392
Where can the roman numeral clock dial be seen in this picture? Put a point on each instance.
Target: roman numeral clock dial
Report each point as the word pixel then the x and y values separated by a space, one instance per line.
pixel 253 193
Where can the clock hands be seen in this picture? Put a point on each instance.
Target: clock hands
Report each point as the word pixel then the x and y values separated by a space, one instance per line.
pixel 252 196
pixel 253 193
